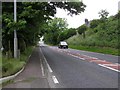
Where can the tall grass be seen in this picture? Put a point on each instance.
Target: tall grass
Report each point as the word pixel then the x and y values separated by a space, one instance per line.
pixel 11 66
pixel 91 43
pixel 105 50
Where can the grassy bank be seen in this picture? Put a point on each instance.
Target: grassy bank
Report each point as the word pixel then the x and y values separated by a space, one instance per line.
pixel 11 66
pixel 77 42
pixel 102 36
pixel 105 50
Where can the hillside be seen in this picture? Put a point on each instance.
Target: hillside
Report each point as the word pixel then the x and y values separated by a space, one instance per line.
pixel 101 36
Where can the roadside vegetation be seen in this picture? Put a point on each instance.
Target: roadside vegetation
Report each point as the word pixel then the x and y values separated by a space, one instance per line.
pixel 102 35
pixel 58 31
pixel 11 66
pixel 32 23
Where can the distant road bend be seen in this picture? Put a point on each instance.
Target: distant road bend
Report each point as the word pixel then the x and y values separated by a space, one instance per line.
pixel 71 68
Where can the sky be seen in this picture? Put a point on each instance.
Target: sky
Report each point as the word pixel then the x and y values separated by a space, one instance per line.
pixel 91 11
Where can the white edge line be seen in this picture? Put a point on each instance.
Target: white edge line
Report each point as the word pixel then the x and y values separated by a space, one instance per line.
pixel 55 79
pixel 49 68
pixel 97 61
pixel 109 68
pixel 42 70
pixel 110 64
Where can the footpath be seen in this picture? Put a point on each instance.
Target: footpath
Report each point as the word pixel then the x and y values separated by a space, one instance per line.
pixel 32 76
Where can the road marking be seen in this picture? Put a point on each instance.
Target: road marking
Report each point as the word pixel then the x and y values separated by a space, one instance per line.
pixel 109 68
pixel 97 61
pixel 90 57
pixel 117 63
pixel 55 79
pixel 84 57
pixel 81 58
pixel 42 70
pixel 49 68
pixel 110 64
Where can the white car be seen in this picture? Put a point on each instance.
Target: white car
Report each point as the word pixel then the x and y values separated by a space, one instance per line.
pixel 63 44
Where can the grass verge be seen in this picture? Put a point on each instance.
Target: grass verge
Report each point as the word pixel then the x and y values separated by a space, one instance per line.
pixel 11 66
pixel 105 50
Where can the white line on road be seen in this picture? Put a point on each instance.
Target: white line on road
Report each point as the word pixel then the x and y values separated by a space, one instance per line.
pixel 81 58
pixel 49 68
pixel 90 57
pixel 110 64
pixel 117 64
pixel 97 61
pixel 109 68
pixel 42 70
pixel 55 79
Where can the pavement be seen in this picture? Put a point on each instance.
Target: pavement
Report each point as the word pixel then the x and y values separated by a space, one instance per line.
pixel 32 76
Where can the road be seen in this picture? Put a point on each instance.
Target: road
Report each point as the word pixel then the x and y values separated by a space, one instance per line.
pixel 71 68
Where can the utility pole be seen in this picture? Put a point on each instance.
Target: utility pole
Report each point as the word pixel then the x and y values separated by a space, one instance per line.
pixel 15 33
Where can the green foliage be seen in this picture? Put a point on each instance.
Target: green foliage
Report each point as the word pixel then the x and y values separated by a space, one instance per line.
pixel 31 21
pixel 94 23
pixel 103 14
pixel 100 35
pixel 11 66
pixel 66 34
pixel 117 16
pixel 82 29
pixel 57 31
pixel 55 27
pixel 105 50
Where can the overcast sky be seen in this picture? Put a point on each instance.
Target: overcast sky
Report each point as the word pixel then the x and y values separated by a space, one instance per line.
pixel 91 11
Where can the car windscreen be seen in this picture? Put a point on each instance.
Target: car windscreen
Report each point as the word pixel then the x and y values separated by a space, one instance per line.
pixel 63 43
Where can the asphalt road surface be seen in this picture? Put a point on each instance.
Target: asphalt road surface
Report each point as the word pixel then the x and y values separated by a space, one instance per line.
pixel 81 69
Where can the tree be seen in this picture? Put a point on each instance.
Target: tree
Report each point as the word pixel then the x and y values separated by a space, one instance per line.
pixel 94 23
pixel 82 29
pixel 31 17
pixel 55 27
pixel 103 14
pixel 67 33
